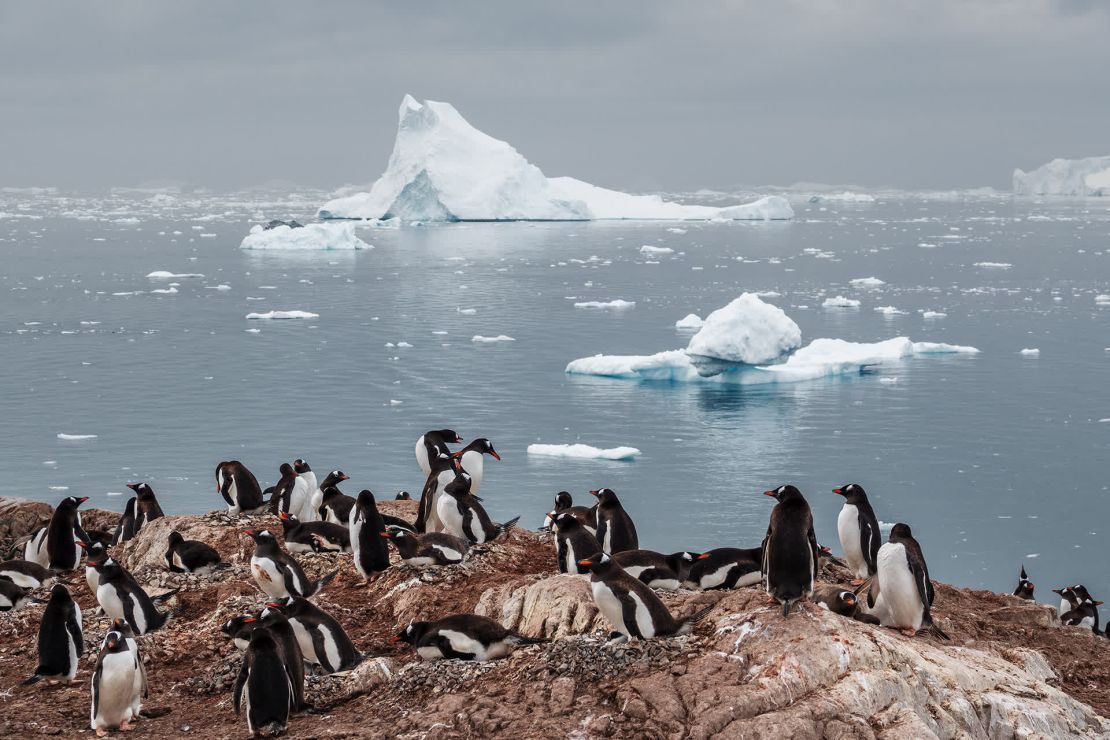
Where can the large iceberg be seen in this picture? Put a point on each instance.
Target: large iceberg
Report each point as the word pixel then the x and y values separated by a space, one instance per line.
pixel 444 169
pixel 312 236
pixel 1082 177
pixel 760 337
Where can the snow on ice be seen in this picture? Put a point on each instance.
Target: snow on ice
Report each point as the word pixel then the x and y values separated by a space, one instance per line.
pixel 310 236
pixel 584 452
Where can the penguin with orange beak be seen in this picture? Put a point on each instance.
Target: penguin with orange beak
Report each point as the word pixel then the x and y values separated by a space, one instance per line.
pixel 472 460
pixel 790 550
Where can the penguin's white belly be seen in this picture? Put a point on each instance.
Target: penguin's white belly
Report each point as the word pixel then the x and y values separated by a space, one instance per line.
pixel 92 578
pixel 34 551
pixel 449 516
pixel 139 614
pixel 354 525
pixel 643 616
pixel 717 577
pixel 1065 606
pixel 298 497
pixel 607 544
pixel 308 649
pixel 71 645
pixel 109 599
pixel 316 502
pixel 847 526
pixel 233 493
pixel 269 578
pixel 548 523
pixel 898 588
pixel 115 692
pixel 1087 622
pixel 306 512
pixel 333 517
pixel 429 652
pixel 331 649
pixel 464 643
pixel 20 579
pixel 665 584
pixel 422 456
pixel 421 561
pixel 635 570
pixel 178 563
pixel 473 464
pixel 611 608
pixel 293 546
pixel 571 561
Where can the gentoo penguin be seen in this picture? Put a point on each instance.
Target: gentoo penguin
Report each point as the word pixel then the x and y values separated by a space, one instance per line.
pixel 313 536
pixel 121 597
pixel 859 532
pixel 463 637
pixel 790 549
pixel 61 641
pixel 58 549
pixel 1025 587
pixel 402 496
pixel 585 514
pixel 147 508
pixel 472 460
pixel 631 607
pixel 117 685
pixel 435 440
pixel 125 527
pixel 905 590
pixel 27 574
pixel 371 554
pixel 307 512
pixel 727 567
pixel 240 489
pixel 463 516
pixel 321 638
pixel 431 548
pixel 572 542
pixel 13 597
pixel 34 550
pixel 120 626
pixel 1083 611
pixel 95 554
pixel 263 687
pixel 1068 599
pixel 328 496
pixel 191 556
pixel 277 574
pixel 836 599
pixel 290 492
pixel 444 469
pixel 615 530
pixel 240 629
pixel 656 570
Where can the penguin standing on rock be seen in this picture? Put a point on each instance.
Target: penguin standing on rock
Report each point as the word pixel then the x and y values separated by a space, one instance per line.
pixel 147 508
pixel 117 685
pixel 429 549
pixel 858 528
pixel 631 607
pixel 905 590
pixel 239 488
pixel 727 567
pixel 330 488
pixel 472 460
pixel 463 637
pixel 790 550
pixel 371 553
pixel 140 689
pixel 95 554
pixel 61 641
pixel 307 512
pixel 241 629
pixel 290 492
pixel 431 444
pixel 57 549
pixel 1025 587
pixel 121 597
pixel 573 542
pixel 615 530
pixel 125 527
pixel 443 472
pixel 1083 611
pixel 263 687
pixel 277 574
pixel 191 556
pixel 564 502
pixel 463 516
pixel 321 638
pixel 656 570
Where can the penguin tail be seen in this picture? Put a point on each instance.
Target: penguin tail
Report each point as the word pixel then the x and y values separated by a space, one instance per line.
pixel 32 680
pixel 320 584
pixel 163 598
pixel 687 624
pixel 938 632
pixel 508 525
pixel 863 586
pixel 519 639
pixel 787 605
pixel 221 565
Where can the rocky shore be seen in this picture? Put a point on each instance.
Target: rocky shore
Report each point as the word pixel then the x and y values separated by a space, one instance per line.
pixel 1009 669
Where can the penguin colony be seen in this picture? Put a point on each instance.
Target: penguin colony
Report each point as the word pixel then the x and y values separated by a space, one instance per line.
pixel 891 588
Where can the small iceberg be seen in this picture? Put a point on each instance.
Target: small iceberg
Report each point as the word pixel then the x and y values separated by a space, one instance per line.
pixel 648 249
pixel 167 275
pixel 890 311
pixel 994 265
pixel 284 315
pixel 1031 352
pixel 310 237
pixel 487 340
pixel 75 437
pixel 690 322
pixel 746 330
pixel 867 282
pixel 585 452
pixel 840 302
pixel 618 303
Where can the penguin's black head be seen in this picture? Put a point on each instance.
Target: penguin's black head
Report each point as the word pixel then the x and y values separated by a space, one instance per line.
pixel 395 533
pixel 366 498
pixel 852 492
pixel 122 627
pixel 114 642
pixel 73 501
pixel 402 496
pixel 143 490
pixel 288 520
pixel 95 552
pixel 1024 587
pixel 300 466
pixel 900 531
pixel 412 633
pixel 564 521
pixel 449 436
pixel 605 496
pixel 1068 593
pixel 1083 596
pixel 847 598
pixel 286 470
pixel 480 445
pixel 563 500
pixel 175 538
pixel 234 626
pixel 599 562
pixel 59 594
pixel 687 557
pixel 334 478
pixel 783 493
pixel 460 486
pixel 263 537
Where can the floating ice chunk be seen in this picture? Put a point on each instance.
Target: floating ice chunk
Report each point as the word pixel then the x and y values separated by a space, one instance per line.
pixel 466 311
pixel 167 291
pixel 867 282
pixel 584 452
pixel 618 303
pixel 1102 298
pixel 648 249
pixel 889 311
pixel 994 265
pixel 1030 352
pixel 309 237
pixel 1081 177
pixel 220 287
pixel 889 379
pixel 284 315
pixel 934 315
pixel 840 302
pixel 845 197
pixel 395 402
pixel 444 169
pixel 404 345
pixel 487 340
pixel 746 330
pixel 676 230
pixel 166 275
pixel 75 437
pixel 690 322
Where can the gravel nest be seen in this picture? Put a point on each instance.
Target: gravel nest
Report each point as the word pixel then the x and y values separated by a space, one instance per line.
pixel 591 657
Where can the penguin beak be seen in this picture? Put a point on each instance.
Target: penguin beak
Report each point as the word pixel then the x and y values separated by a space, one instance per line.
pixel 133 486
pixel 493 452
pixel 1059 591
pixel 272 605
pixel 82 499
pixel 283 516
pixel 249 620
pixel 850 599
pixel 387 535
pixel 250 533
pixel 703 556
pixel 81 544
pixel 587 561
pixel 456 455
pixel 769 493
pixel 395 638
pixel 112 645
pixel 344 477
pixel 838 491
pixel 595 493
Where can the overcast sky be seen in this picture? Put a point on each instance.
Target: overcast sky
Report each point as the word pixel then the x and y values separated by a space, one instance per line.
pixel 637 95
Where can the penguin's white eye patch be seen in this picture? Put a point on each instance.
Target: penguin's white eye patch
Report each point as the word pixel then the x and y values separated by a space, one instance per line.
pixel 605 557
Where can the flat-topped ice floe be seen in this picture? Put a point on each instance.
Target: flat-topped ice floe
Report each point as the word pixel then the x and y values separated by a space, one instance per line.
pixel 284 315
pixel 444 169
pixel 479 339
pixel 167 275
pixel 308 237
pixel 617 303
pixel 584 452
pixel 1082 177
pixel 840 302
pixel 74 437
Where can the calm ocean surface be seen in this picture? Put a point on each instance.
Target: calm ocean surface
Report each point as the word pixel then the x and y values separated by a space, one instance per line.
pixel 994 459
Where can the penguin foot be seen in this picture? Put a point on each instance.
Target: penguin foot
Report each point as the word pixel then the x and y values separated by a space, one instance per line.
pixel 101 732
pixel 909 632
pixel 125 726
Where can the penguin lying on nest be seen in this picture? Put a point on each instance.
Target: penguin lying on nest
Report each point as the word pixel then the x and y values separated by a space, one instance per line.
pixel 463 637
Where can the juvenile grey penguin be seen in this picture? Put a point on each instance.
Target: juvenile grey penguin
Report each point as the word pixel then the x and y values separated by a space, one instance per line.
pixel 858 528
pixel 463 516
pixel 1025 587
pixel 728 567
pixel 370 551
pixel 463 637
pixel 573 542
pixel 790 550
pixel 191 556
pixel 905 590
pixel 472 461
pixel 656 570
pixel 239 488
pixel 321 638
pixel 61 640
pixel 429 549
pixel 615 530
pixel 117 685
pixel 263 687
pixel 277 574
pixel 632 608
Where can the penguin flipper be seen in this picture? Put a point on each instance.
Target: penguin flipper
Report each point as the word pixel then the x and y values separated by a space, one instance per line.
pixel 73 626
pixel 97 676
pixel 869 536
pixel 628 613
pixel 504 528
pixel 561 553
pixel 319 585
pixel 162 598
pixel 815 556
pixel 240 682
pixel 519 639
